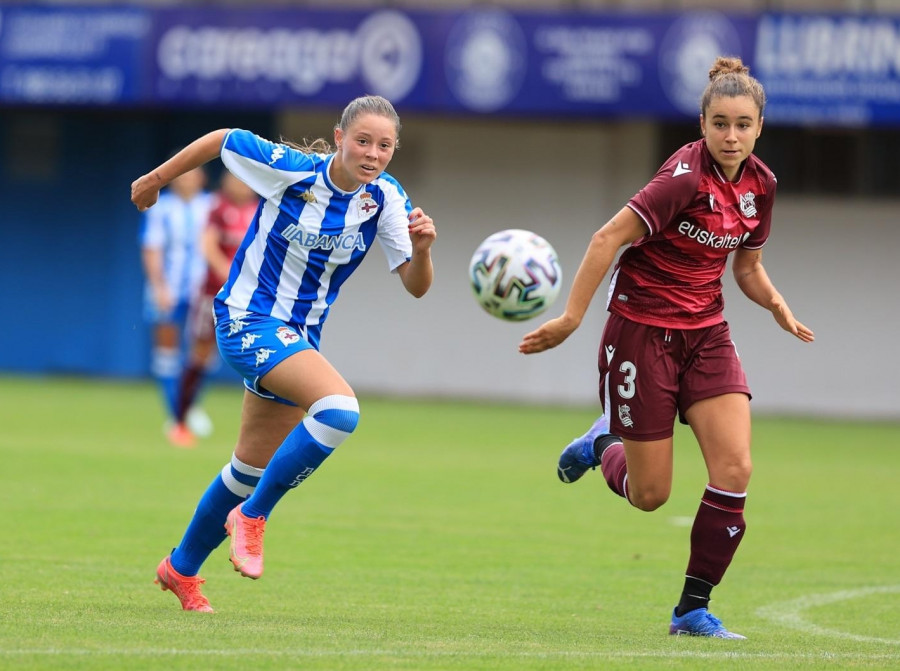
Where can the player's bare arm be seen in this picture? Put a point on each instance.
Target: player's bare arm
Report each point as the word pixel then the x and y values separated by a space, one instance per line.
pixel 624 228
pixel 145 189
pixel 417 274
pixel 753 280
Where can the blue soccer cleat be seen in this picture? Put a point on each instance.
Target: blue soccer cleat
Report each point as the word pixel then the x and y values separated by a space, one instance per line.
pixel 700 622
pixel 579 455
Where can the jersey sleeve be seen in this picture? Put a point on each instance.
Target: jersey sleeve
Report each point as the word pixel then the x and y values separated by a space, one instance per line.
pixel 266 167
pixel 393 223
pixel 671 190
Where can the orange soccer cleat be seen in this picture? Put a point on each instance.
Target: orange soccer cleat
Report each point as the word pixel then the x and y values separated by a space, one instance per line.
pixel 186 588
pixel 246 551
pixel 180 436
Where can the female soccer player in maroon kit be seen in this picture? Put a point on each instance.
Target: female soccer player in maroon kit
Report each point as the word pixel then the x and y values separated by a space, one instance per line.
pixel 666 350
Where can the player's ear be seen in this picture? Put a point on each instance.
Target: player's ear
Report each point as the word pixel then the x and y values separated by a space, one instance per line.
pixel 759 130
pixel 702 126
pixel 338 137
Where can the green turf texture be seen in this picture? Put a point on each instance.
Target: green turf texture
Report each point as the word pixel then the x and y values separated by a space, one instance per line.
pixel 436 537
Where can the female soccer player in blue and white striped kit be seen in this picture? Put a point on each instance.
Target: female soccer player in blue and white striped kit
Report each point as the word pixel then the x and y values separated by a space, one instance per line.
pixel 321 212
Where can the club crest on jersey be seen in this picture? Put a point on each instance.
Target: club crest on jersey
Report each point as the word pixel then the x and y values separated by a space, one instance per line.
pixel 286 335
pixel 748 204
pixel 308 196
pixel 366 205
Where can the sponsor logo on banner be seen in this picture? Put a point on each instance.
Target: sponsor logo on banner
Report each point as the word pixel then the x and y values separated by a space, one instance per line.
pixel 829 68
pixel 485 59
pixel 688 48
pixel 384 52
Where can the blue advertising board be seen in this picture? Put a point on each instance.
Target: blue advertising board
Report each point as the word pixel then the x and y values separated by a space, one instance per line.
pixel 479 61
pixel 816 68
pixel 51 56
pixel 837 69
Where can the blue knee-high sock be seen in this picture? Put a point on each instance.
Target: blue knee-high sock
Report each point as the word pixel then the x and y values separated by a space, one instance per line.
pixel 328 423
pixel 166 369
pixel 206 530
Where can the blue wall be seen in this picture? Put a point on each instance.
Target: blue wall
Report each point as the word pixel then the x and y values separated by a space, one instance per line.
pixel 71 282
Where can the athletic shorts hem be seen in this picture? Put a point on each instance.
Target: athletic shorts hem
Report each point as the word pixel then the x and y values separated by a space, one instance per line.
pixel 721 391
pixel 643 438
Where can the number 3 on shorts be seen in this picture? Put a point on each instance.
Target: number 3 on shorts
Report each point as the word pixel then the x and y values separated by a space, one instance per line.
pixel 626 389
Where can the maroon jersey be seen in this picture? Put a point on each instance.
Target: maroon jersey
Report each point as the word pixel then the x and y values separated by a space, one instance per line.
pixel 672 277
pixel 230 221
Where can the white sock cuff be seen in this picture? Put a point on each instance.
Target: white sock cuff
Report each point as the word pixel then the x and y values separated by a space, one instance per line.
pixel 249 477
pixel 337 428
pixel 334 402
pixel 724 492
pixel 246 469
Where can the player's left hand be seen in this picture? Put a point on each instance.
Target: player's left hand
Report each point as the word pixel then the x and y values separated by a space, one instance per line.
pixel 549 334
pixel 785 319
pixel 421 230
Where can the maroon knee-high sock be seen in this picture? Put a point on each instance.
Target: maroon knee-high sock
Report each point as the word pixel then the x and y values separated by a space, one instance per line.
pixel 718 529
pixel 612 465
pixel 187 391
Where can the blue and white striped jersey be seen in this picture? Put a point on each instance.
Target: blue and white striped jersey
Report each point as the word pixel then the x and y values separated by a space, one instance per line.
pixel 175 227
pixel 309 236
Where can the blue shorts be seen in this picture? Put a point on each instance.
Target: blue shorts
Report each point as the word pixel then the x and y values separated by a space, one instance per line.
pixel 254 344
pixel 178 314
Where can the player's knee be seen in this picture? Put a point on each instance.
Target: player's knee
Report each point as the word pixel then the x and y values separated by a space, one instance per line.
pixel 648 499
pixel 332 419
pixel 733 476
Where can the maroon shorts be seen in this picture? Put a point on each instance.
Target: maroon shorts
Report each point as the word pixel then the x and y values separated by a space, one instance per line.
pixel 648 374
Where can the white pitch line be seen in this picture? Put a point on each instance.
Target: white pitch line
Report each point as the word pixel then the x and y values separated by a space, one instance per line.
pixel 730 654
pixel 789 613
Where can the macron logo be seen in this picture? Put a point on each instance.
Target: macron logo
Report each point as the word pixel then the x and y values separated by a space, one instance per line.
pixel 681 169
pixel 733 531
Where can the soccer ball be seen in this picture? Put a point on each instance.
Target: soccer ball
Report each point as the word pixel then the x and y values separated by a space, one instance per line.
pixel 515 275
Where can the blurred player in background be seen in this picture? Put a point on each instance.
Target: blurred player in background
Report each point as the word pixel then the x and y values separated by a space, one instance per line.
pixel 233 208
pixel 666 350
pixel 322 211
pixel 174 268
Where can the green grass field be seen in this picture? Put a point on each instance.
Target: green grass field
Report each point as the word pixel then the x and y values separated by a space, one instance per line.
pixel 437 537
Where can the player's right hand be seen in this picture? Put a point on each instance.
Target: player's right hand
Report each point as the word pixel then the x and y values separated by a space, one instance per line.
pixel 145 191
